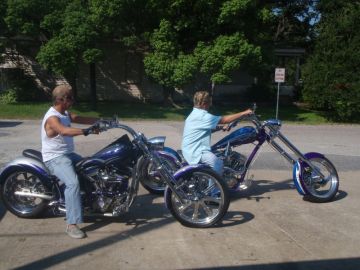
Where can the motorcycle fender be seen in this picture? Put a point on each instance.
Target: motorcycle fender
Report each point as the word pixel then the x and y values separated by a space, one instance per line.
pixel 158 144
pixel 173 153
pixel 178 174
pixel 170 154
pixel 30 164
pixel 297 172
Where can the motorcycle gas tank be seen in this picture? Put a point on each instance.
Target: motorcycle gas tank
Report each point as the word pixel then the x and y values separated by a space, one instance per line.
pixel 240 136
pixel 121 149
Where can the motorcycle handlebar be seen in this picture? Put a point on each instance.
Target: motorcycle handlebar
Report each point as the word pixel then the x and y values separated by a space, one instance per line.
pixel 105 125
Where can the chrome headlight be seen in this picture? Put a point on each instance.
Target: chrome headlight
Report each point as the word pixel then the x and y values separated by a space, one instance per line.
pixel 157 143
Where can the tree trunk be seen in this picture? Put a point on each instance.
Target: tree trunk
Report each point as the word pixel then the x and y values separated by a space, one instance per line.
pixel 74 88
pixel 212 88
pixel 168 93
pixel 93 86
pixel 71 78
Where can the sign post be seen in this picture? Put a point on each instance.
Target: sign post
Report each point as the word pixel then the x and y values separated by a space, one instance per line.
pixel 279 78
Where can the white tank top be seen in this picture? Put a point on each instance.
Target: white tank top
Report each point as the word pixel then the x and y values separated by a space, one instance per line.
pixel 58 145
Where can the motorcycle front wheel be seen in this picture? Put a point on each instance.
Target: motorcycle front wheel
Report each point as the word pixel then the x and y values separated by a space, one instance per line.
pixel 23 182
pixel 320 189
pixel 205 199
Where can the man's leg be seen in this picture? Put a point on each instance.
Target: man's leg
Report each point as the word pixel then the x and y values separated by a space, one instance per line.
pixel 62 167
pixel 213 161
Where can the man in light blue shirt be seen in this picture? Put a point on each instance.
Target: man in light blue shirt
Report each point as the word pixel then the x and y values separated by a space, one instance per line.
pixel 196 143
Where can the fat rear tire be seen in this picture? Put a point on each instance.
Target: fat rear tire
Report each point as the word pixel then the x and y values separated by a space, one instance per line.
pixel 21 206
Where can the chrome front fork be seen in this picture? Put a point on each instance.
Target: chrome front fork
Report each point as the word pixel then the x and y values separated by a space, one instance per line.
pixel 277 147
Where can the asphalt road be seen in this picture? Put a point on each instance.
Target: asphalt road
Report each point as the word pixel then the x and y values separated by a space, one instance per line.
pixel 267 227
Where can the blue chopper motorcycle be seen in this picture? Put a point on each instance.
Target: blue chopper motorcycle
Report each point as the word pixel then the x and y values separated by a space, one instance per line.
pixel 109 181
pixel 314 176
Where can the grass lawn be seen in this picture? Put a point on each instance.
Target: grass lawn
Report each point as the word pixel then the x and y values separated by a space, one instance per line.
pixel 138 111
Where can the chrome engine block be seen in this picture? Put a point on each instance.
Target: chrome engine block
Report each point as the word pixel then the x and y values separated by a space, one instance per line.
pixel 110 190
pixel 234 166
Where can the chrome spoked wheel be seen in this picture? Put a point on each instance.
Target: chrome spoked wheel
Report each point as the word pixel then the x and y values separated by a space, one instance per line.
pixel 16 190
pixel 320 189
pixel 205 200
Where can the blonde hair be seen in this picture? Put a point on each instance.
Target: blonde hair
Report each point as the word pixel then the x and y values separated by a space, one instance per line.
pixel 201 98
pixel 61 91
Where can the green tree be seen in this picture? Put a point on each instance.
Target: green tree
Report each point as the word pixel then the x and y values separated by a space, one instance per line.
pixel 331 73
pixel 70 31
pixel 64 29
pixel 206 37
pixel 224 55
pixel 295 22
pixel 166 65
pixel 180 39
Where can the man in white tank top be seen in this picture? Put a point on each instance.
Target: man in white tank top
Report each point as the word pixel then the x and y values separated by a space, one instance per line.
pixel 58 152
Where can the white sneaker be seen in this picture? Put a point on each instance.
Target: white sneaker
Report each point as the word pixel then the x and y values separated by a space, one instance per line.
pixel 75 232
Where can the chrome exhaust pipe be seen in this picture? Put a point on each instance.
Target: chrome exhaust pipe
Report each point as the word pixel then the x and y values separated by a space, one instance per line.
pixel 34 195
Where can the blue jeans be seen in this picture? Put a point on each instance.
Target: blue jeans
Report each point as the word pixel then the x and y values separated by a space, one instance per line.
pixel 63 168
pixel 213 161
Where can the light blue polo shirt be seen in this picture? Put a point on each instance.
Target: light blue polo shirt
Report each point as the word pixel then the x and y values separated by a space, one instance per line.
pixel 197 134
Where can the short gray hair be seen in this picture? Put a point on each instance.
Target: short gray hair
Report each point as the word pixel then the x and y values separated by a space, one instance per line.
pixel 61 91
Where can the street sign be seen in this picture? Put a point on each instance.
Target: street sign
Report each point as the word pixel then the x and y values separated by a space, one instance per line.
pixel 279 78
pixel 280 75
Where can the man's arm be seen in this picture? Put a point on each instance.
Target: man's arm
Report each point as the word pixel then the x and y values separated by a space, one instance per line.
pixel 232 117
pixel 54 127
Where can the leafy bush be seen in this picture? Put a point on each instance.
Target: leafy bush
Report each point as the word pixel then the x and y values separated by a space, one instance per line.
pixel 9 96
pixel 346 101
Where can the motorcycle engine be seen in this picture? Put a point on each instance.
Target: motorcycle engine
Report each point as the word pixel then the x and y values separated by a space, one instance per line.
pixel 109 190
pixel 234 166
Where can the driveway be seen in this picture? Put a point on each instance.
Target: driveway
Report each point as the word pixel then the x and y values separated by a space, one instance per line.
pixel 267 227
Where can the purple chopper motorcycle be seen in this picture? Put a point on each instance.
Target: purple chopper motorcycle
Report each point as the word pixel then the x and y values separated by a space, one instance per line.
pixel 109 180
pixel 314 176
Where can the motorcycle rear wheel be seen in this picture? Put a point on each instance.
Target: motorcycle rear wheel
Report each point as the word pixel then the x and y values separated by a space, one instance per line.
pixel 206 199
pixel 320 190
pixel 23 206
pixel 150 179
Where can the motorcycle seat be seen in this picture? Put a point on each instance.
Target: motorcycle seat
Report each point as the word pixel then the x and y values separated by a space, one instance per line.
pixel 31 153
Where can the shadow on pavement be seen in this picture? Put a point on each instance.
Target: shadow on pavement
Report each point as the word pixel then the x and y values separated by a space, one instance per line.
pixel 233 218
pixel 343 264
pixel 53 260
pixel 4 124
pixel 144 216
pixel 2 211
pixel 341 195
pixel 260 187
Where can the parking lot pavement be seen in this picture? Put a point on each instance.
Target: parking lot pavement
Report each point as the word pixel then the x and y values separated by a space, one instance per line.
pixel 267 227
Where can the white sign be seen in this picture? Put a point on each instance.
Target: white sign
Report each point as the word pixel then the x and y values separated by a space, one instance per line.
pixel 280 75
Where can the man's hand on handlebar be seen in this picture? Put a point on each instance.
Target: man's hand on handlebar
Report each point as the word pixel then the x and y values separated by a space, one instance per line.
pixel 94 129
pixel 99 126
pixel 248 112
pixel 221 127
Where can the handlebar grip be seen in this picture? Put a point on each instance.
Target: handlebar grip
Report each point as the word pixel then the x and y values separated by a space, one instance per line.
pixel 217 128
pixel 87 131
